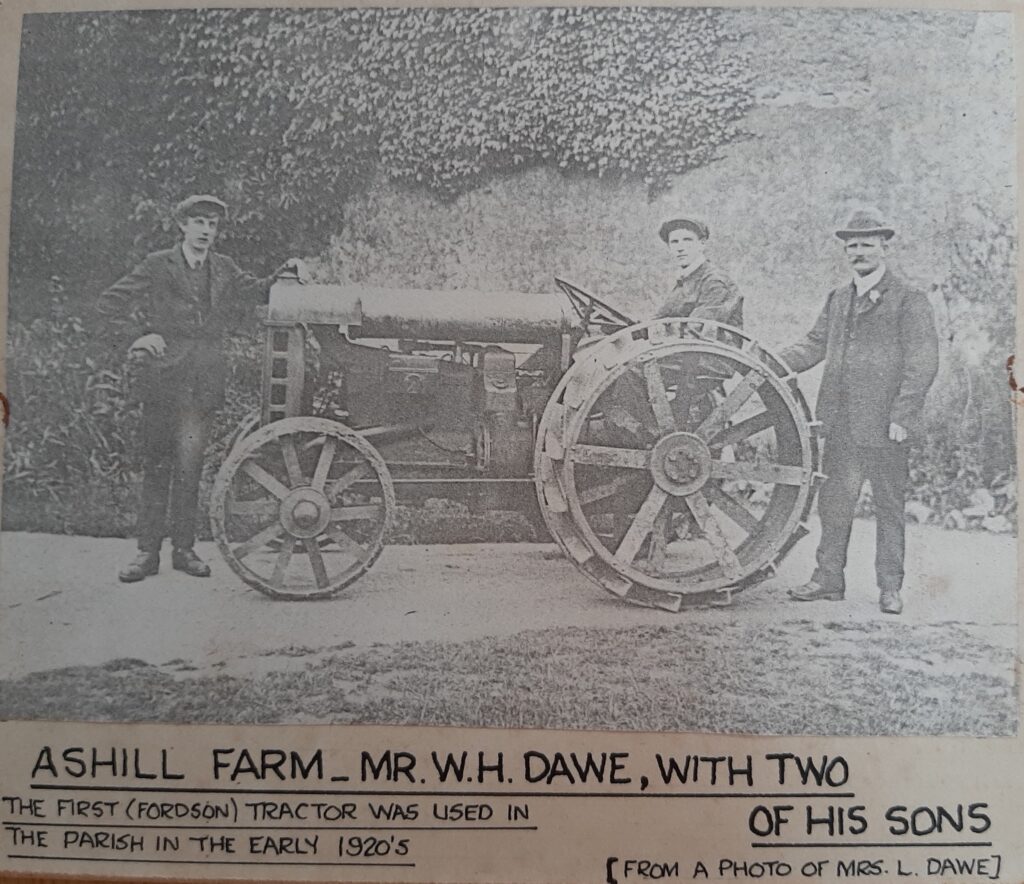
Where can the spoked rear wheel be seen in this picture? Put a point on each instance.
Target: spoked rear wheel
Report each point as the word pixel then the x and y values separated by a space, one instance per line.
pixel 301 506
pixel 675 461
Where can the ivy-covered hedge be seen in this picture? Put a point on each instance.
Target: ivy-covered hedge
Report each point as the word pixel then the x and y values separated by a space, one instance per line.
pixel 287 113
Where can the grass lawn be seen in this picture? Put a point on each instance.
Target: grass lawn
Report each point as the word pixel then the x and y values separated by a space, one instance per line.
pixel 793 677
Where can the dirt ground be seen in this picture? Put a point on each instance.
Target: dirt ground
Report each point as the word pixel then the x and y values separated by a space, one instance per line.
pixel 507 634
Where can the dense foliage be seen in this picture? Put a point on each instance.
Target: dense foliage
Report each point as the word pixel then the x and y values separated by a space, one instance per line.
pixel 965 473
pixel 71 460
pixel 981 295
pixel 287 113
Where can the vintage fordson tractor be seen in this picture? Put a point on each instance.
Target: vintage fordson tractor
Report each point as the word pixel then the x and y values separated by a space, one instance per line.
pixel 673 461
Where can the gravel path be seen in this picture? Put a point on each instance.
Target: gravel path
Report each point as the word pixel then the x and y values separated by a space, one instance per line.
pixel 62 605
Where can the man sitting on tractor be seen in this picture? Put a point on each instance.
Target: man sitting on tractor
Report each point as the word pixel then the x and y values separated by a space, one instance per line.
pixel 702 291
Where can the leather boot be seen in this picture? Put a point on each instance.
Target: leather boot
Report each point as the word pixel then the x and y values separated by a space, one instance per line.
pixel 186 560
pixel 890 602
pixel 145 564
pixel 813 591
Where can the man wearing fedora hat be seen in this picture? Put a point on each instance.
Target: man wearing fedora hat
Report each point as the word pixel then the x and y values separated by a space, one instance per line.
pixel 702 291
pixel 877 338
pixel 175 308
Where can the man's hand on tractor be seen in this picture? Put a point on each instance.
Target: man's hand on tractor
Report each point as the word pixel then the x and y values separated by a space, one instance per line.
pixel 153 344
pixel 897 433
pixel 294 267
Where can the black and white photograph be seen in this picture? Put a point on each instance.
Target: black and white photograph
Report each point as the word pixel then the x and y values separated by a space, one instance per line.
pixel 587 368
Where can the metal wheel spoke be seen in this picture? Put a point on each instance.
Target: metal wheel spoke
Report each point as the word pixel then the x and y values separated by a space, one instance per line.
pixel 373 511
pixel 709 524
pixel 733 508
pixel 743 430
pixel 323 464
pixel 256 472
pixel 291 461
pixel 658 397
pixel 310 444
pixel 281 565
pixel 316 561
pixel 259 539
pixel 620 418
pixel 347 544
pixel 606 489
pixel 606 456
pixel 265 508
pixel 659 540
pixel 770 473
pixel 732 403
pixel 643 524
pixel 346 480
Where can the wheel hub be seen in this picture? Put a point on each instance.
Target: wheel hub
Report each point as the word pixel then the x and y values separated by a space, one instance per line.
pixel 305 512
pixel 681 463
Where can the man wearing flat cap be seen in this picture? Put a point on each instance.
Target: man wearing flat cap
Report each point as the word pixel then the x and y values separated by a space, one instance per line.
pixel 175 308
pixel 877 338
pixel 702 291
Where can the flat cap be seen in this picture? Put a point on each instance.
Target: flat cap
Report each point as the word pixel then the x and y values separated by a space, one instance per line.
pixel 681 223
pixel 866 222
pixel 200 204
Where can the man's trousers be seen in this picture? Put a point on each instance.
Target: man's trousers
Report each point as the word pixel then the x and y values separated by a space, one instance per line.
pixel 847 466
pixel 174 433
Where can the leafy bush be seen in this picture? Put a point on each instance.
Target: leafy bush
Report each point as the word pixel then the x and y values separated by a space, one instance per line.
pixel 964 472
pixel 980 292
pixel 72 451
pixel 73 424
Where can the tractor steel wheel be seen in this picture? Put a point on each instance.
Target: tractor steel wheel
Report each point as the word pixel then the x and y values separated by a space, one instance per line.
pixel 300 508
pixel 248 424
pixel 676 462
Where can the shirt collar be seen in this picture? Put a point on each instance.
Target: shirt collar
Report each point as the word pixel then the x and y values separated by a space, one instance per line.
pixel 193 259
pixel 864 284
pixel 689 271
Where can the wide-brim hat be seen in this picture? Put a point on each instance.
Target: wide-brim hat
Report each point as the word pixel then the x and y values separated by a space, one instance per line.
pixel 681 222
pixel 200 204
pixel 866 222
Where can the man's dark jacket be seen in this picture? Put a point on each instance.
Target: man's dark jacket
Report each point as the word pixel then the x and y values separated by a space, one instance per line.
pixel 157 297
pixel 881 354
pixel 707 293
